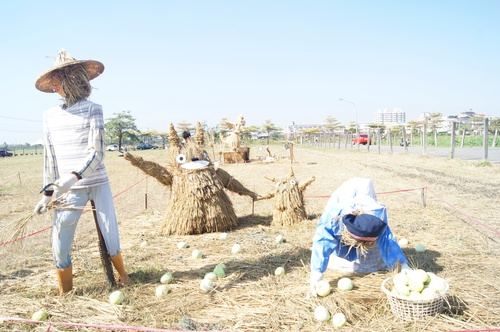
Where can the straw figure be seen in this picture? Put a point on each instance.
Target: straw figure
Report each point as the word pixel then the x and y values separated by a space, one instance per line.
pixel 198 203
pixel 270 157
pixel 289 207
pixel 234 139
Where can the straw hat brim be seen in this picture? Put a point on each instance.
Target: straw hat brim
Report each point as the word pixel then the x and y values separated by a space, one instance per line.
pixel 45 82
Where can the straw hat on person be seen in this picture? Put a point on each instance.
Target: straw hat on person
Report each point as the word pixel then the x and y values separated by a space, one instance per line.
pixel 45 82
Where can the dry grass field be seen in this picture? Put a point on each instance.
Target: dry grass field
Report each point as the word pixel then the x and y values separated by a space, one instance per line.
pixel 459 226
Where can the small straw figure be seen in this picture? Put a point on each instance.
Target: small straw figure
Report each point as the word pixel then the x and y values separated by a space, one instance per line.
pixel 198 202
pixel 234 139
pixel 289 207
pixel 270 157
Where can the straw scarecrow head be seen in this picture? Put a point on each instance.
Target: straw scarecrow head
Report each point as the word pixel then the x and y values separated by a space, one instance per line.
pixel 289 207
pixel 198 202
pixel 65 63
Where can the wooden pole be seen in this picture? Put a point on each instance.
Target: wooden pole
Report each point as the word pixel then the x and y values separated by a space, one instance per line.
pixel 453 125
pixel 485 142
pixel 405 144
pixel 422 196
pixel 424 139
pixel 369 139
pixel 103 251
pixel 146 196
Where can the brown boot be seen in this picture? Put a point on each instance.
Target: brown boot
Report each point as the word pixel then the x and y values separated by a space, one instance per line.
pixel 65 277
pixel 118 264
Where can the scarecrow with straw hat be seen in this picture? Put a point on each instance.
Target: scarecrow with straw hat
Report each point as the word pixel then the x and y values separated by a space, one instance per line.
pixel 74 172
pixel 353 234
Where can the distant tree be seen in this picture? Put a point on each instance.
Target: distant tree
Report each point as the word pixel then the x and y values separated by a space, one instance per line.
pixel 435 121
pixel 246 133
pixel 494 126
pixel 184 125
pixel 331 124
pixel 121 126
pixel 150 136
pixel 413 125
pixel 477 123
pixel 269 127
pixel 352 127
pixel 223 128
pixel 164 137
pixel 396 130
pixel 377 127
pixel 310 131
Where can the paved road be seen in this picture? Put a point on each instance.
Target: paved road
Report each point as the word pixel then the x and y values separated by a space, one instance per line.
pixel 472 154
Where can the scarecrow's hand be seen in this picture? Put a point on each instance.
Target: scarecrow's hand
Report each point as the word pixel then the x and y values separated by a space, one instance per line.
pixel 261 198
pixel 151 168
pixel 136 161
pixel 405 268
pixel 41 207
pixel 304 185
pixel 64 184
pixel 315 277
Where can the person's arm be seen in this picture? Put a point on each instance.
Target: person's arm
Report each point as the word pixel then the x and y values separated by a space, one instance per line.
pixel 50 171
pixel 96 143
pixel 390 251
pixel 326 239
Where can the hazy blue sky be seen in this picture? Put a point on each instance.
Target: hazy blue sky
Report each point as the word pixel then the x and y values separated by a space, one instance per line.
pixel 170 61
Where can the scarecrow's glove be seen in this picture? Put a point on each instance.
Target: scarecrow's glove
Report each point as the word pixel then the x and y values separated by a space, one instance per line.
pixel 315 277
pixel 41 207
pixel 405 268
pixel 64 184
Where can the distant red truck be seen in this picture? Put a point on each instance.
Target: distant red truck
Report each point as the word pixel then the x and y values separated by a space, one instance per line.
pixel 363 139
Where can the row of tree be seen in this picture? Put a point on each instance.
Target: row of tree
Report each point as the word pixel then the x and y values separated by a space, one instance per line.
pixel 122 130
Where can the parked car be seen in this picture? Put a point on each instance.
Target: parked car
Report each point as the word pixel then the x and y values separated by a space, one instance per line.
pixel 146 146
pixel 363 139
pixel 5 153
pixel 112 147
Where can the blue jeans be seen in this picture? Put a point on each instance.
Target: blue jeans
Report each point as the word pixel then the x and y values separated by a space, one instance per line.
pixel 66 219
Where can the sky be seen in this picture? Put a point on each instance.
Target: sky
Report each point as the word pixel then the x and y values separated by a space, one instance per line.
pixel 284 61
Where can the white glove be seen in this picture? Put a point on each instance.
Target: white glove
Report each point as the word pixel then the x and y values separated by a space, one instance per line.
pixel 41 207
pixel 315 277
pixel 405 268
pixel 64 184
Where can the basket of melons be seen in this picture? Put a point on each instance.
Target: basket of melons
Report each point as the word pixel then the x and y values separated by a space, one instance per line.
pixel 415 294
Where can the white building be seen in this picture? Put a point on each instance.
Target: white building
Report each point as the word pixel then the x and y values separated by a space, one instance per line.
pixel 389 118
pixel 292 130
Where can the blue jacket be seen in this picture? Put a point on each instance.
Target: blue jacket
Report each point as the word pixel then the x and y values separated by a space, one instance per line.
pixel 326 241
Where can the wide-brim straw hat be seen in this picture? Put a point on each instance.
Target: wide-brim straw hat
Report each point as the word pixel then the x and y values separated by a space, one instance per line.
pixel 45 82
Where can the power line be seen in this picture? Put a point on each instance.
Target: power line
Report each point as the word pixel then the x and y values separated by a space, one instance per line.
pixel 22 131
pixel 20 119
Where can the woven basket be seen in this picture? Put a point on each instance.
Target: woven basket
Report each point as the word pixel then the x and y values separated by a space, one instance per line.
pixel 409 309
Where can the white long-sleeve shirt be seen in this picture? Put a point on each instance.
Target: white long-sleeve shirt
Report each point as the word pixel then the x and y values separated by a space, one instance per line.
pixel 74 141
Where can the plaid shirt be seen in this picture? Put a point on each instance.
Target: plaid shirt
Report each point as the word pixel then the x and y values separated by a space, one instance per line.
pixel 75 142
